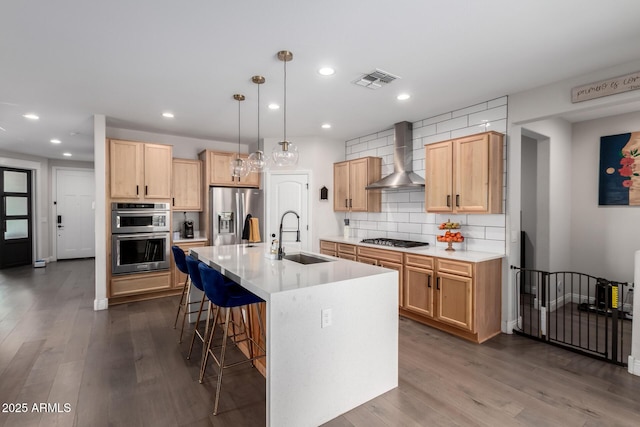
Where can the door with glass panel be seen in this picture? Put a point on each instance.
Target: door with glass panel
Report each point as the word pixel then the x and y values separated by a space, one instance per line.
pixel 15 217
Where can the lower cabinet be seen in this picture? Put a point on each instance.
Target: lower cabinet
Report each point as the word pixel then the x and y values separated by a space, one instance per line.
pixel 179 277
pixel 462 298
pixel 139 283
pixel 347 251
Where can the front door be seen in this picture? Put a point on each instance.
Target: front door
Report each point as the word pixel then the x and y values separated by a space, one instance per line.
pixel 75 212
pixel 16 242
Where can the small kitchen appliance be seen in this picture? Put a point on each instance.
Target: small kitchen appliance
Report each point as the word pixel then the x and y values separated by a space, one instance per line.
pixel 187 229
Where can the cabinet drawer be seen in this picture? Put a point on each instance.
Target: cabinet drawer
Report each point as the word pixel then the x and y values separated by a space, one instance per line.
pixel 140 283
pixel 455 267
pixel 419 261
pixel 328 246
pixel 346 249
pixel 392 256
pixel 350 257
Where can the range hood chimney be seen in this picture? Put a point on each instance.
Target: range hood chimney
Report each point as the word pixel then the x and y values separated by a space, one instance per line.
pixel 403 175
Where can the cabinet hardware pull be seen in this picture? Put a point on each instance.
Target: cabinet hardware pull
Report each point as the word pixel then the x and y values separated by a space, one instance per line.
pixel 350 203
pixel 438 283
pixel 448 200
pixel 346 203
pixel 173 201
pixel 457 200
pixel 428 281
pixel 137 193
pixel 146 190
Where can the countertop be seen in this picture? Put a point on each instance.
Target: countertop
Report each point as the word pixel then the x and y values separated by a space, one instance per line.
pixel 459 255
pixel 249 265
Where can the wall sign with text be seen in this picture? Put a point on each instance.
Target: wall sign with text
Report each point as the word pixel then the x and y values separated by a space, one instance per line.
pixel 607 87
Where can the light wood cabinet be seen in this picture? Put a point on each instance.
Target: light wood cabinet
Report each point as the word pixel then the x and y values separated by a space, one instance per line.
pixel 179 277
pixel 139 170
pixel 347 251
pixel 187 185
pixel 328 248
pixel 349 181
pixel 134 284
pixel 219 164
pixel 464 175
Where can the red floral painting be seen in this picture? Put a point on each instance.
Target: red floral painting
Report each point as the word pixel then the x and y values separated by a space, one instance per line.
pixel 620 169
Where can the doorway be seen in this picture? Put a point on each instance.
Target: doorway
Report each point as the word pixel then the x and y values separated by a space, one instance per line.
pixel 16 217
pixel 289 192
pixel 74 213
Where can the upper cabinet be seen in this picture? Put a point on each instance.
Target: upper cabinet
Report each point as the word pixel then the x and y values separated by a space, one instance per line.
pixel 464 175
pixel 187 185
pixel 139 170
pixel 349 181
pixel 219 164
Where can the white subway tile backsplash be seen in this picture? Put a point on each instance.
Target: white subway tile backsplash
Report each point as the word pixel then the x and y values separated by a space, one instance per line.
pixel 403 215
pixel 449 125
pixel 496 102
pixel 497 113
pixel 469 110
pixel 436 119
pixel 407 227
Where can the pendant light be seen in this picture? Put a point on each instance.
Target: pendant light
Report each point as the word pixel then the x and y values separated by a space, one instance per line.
pixel 257 160
pixel 286 152
pixel 238 166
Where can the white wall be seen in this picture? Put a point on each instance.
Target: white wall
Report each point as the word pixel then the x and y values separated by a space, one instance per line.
pixel 606 250
pixel 403 213
pixel 317 155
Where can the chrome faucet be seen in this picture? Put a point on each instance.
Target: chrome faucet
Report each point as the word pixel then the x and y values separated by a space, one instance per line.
pixel 281 253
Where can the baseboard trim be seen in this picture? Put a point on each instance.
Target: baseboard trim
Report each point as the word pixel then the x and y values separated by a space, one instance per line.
pixel 510 326
pixel 100 304
pixel 633 366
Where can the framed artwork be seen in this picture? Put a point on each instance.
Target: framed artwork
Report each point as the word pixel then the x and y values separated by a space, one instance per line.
pixel 620 170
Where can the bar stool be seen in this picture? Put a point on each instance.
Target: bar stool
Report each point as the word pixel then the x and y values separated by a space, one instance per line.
pixel 181 263
pixel 194 274
pixel 227 295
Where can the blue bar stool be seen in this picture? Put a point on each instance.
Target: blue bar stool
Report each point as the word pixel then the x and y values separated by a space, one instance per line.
pixel 194 274
pixel 227 295
pixel 181 263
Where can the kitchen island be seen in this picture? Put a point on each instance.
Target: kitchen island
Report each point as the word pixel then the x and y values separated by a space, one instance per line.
pixel 331 330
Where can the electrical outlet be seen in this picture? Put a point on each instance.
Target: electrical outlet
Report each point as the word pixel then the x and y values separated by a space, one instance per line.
pixel 325 314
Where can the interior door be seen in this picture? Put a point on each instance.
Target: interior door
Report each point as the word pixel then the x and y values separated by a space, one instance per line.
pixel 289 192
pixel 75 212
pixel 16 241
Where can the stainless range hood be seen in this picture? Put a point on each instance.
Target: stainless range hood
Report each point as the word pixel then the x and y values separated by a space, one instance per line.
pixel 403 175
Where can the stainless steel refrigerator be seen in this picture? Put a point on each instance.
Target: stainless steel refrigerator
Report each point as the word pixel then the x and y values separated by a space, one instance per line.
pixel 229 210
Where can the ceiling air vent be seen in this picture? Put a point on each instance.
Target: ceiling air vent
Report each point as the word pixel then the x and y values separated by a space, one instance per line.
pixel 376 79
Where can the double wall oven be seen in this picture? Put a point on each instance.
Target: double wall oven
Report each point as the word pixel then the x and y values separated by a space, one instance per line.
pixel 140 237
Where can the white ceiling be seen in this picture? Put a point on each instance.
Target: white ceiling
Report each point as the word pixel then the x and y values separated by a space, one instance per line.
pixel 131 60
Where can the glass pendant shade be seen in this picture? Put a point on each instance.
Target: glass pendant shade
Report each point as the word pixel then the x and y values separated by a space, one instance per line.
pixel 257 161
pixel 285 154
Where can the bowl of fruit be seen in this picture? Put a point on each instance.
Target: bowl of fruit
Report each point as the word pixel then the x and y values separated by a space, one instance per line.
pixel 450 236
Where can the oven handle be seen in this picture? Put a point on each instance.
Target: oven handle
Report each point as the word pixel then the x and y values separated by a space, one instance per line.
pixel 131 236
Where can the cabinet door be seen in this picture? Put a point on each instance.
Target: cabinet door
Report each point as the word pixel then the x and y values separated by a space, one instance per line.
pixel 125 166
pixel 157 171
pixel 418 287
pixel 455 300
pixel 471 169
pixel 367 260
pixel 220 169
pixel 187 185
pixel 179 277
pixel 398 268
pixel 341 187
pixel 438 177
pixel 358 180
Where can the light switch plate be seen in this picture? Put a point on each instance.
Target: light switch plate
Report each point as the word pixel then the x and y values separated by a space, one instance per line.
pixel 326 317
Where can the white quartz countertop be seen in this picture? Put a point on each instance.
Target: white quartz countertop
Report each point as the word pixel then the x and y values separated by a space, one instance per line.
pixel 185 240
pixel 250 266
pixel 460 255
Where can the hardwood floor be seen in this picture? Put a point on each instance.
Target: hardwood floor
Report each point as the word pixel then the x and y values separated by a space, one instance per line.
pixel 124 367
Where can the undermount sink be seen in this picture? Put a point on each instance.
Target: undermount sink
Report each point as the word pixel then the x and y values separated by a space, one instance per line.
pixel 306 259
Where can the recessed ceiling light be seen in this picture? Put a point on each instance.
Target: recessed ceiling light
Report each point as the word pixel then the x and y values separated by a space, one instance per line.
pixel 274 106
pixel 55 141
pixel 2 129
pixel 168 115
pixel 327 71
pixel 30 116
pixel 403 97
pixel 66 154
pixel 326 126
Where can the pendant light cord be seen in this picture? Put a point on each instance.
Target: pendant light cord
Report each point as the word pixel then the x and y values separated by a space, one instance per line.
pixel 285 100
pixel 258 117
pixel 238 129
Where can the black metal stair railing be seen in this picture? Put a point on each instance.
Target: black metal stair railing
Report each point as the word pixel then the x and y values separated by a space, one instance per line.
pixel 577 311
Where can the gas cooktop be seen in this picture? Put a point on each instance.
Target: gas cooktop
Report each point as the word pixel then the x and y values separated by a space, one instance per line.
pixel 394 242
